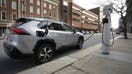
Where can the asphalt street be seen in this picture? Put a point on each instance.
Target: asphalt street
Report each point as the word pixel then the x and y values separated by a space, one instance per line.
pixel 10 66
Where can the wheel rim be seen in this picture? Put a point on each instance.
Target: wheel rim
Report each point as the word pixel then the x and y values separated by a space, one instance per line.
pixel 45 54
pixel 80 43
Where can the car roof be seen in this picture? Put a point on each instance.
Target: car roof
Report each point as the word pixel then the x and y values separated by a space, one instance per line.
pixel 39 19
pixel 42 19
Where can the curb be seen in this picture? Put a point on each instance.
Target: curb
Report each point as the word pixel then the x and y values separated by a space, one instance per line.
pixel 61 63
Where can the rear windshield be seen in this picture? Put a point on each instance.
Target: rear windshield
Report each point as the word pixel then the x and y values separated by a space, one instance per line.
pixel 20 21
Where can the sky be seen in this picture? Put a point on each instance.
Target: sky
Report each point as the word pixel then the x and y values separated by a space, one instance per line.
pixel 89 4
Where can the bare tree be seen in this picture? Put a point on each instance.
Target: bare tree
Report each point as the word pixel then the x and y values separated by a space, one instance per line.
pixel 119 6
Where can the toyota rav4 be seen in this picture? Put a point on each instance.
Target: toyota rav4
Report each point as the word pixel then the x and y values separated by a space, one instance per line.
pixel 41 37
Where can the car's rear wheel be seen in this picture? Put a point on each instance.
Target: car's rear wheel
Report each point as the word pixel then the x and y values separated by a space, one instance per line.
pixel 44 53
pixel 80 43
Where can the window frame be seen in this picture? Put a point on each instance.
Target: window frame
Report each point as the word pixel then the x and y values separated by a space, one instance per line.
pixel 38 10
pixel 45 4
pixel 14 5
pixel 65 25
pixel 3 2
pixel 38 2
pixel 2 15
pixel 54 23
pixel 31 7
pixel 50 6
pixel 45 11
pixel 13 17
pixel 50 13
pixel 31 1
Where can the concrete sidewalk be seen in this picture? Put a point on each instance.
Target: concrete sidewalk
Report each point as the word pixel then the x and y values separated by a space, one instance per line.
pixel 91 61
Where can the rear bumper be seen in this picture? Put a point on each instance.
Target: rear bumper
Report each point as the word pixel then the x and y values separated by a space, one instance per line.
pixel 12 51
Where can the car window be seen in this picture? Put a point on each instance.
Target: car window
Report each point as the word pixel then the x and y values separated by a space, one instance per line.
pixel 67 28
pixel 43 24
pixel 55 26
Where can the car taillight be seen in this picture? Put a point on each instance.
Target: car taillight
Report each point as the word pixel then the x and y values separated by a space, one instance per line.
pixel 19 31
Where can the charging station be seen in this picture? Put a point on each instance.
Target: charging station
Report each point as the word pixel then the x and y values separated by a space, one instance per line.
pixel 106 29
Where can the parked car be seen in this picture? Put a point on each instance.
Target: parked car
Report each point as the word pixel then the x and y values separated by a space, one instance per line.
pixel 40 37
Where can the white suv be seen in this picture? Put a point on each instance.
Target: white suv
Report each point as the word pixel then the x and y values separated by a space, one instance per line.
pixel 41 37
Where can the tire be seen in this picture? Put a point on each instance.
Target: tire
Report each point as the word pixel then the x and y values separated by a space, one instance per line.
pixel 80 43
pixel 44 53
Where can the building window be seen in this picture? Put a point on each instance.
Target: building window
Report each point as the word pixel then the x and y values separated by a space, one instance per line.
pixel 38 10
pixel 14 16
pixel 38 2
pixel 31 9
pixel 3 3
pixel 45 4
pixel 45 11
pixel 50 6
pixel 76 14
pixel 31 1
pixel 75 19
pixel 3 15
pixel 54 12
pixel 14 5
pixel 53 6
pixel 50 14
pixel 24 5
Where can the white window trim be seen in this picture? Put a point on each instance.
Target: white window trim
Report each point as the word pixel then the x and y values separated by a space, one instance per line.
pixel 45 11
pixel 45 4
pixel 31 2
pixel 38 2
pixel 50 6
pixel 5 4
pixel 12 15
pixel 15 6
pixel 24 6
pixel 39 11
pixel 5 15
pixel 49 13
pixel 30 9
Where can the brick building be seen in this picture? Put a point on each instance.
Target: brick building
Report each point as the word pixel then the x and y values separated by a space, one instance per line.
pixel 81 18
pixel 84 19
pixel 54 9
pixel 9 12
pixel 13 9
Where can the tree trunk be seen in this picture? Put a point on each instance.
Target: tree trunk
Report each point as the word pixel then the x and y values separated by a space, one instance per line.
pixel 125 31
pixel 125 27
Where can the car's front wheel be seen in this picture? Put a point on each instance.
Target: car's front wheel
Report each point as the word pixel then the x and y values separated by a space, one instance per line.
pixel 80 43
pixel 44 53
